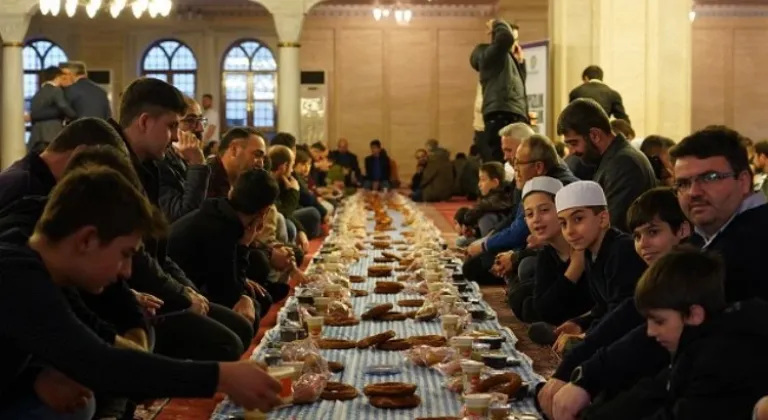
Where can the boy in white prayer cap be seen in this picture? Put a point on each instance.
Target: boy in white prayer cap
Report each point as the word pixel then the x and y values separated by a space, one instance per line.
pixel 611 264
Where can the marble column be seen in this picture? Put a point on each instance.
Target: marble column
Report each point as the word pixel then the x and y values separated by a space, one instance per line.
pixel 289 72
pixel 13 28
pixel 644 48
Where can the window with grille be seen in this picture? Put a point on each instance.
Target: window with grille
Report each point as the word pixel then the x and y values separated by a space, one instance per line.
pixel 249 81
pixel 172 61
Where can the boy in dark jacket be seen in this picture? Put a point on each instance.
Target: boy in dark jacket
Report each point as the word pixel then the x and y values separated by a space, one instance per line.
pixel 495 202
pixel 211 244
pixel 281 159
pixel 612 266
pixel 718 364
pixel 377 168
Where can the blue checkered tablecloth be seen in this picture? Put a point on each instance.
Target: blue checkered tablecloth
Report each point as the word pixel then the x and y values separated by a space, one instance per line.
pixel 437 401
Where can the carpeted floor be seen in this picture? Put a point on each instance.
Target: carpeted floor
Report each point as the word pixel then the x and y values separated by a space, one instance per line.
pixel 545 361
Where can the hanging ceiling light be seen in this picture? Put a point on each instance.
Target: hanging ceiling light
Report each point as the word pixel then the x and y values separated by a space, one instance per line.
pixel 138 7
pixel 377 13
pixel 70 7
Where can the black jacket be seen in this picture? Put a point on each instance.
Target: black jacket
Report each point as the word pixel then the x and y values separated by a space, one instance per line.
pixel 624 173
pixel 556 298
pixel 498 200
pixel 618 351
pixel 502 78
pixel 182 187
pixel 612 275
pixel 307 198
pixel 288 202
pixel 206 245
pixel 384 167
pixel 38 324
pixel 17 222
pixel 27 176
pixel 88 99
pixel 608 98
pixel 152 272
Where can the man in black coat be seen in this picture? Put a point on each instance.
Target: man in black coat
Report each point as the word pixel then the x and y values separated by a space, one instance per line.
pixel 595 88
pixel 211 244
pixel 622 171
pixel 714 184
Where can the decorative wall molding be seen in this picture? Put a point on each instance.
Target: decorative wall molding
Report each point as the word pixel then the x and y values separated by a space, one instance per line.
pixel 419 11
pixel 740 11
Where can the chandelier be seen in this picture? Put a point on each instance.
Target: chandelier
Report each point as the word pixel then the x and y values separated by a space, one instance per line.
pixel 402 15
pixel 154 8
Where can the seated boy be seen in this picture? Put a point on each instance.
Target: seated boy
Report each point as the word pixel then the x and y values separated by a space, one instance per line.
pixel 302 168
pixel 611 264
pixel 495 202
pixel 211 246
pixel 287 202
pixel 378 168
pixel 718 366
pixel 91 227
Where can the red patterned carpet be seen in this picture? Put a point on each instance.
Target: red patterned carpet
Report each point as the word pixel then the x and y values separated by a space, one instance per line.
pixel 544 359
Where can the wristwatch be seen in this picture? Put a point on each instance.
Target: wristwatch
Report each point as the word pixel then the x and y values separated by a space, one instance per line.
pixel 577 375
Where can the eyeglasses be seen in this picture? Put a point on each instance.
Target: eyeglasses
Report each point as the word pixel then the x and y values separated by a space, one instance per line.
pixel 707 178
pixel 517 163
pixel 194 121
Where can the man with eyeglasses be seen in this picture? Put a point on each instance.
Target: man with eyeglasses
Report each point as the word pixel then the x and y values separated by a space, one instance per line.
pixel 622 171
pixel 713 181
pixel 184 174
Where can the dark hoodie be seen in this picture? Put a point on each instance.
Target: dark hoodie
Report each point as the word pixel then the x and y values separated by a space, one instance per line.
pixel 718 371
pixel 116 304
pixel 206 245
pixel 39 324
pixel 502 78
pixel 498 200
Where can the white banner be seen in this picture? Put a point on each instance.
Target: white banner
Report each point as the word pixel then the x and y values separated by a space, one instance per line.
pixel 537 83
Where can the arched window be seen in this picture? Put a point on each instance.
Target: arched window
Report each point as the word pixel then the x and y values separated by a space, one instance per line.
pixel 38 54
pixel 249 75
pixel 171 61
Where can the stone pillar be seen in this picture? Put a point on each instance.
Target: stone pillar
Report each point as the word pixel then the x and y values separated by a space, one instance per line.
pixel 13 28
pixel 289 18
pixel 288 27
pixel 644 48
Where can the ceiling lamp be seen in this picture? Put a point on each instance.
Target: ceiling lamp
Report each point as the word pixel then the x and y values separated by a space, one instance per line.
pixel 402 16
pixel 377 13
pixel 155 8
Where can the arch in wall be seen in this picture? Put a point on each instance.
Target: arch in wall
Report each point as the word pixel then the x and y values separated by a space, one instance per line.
pixel 37 55
pixel 249 86
pixel 172 61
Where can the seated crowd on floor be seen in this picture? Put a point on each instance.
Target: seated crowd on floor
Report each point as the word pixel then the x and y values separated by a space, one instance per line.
pixel 133 266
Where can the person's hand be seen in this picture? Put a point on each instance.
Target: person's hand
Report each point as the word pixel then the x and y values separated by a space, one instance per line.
pixel 547 395
pixel 209 132
pixel 562 341
pixel 200 304
pixel 189 148
pixel 60 393
pixel 291 182
pixel 503 263
pixel 327 219
pixel 302 241
pixel 298 277
pixel 517 52
pixel 568 327
pixel 475 248
pixel 248 385
pixel 280 258
pixel 569 401
pixel 323 165
pixel 148 302
pixel 489 25
pixel 256 288
pixel 534 242
pixel 246 308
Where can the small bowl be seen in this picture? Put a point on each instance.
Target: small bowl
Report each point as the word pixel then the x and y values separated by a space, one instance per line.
pixel 494 342
pixel 306 299
pixel 458 277
pixel 478 314
pixel 273 357
pixel 495 360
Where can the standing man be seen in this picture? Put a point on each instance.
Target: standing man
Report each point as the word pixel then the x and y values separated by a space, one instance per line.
pixel 49 109
pixel 86 97
pixel 623 171
pixel 594 88
pixel 502 76
pixel 212 116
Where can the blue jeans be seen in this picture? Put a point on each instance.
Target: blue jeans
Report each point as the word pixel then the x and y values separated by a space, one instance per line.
pixel 291 230
pixel 417 196
pixel 31 408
